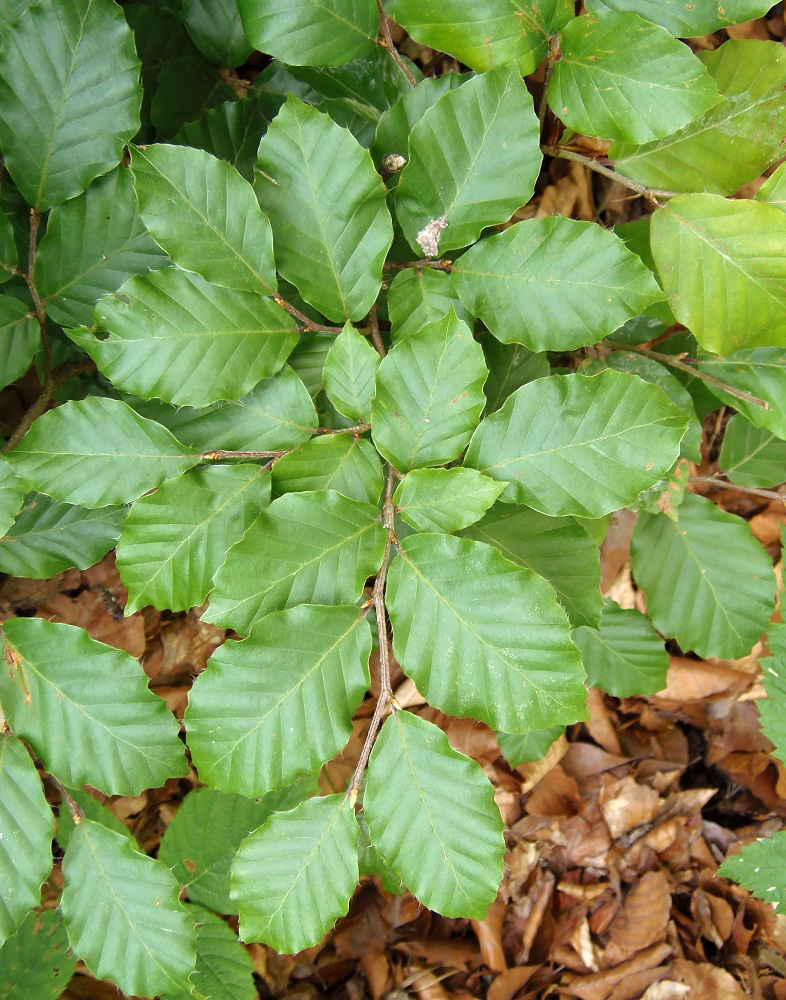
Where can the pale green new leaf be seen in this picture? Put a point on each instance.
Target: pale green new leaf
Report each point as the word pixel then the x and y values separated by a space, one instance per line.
pixel 20 336
pixel 306 548
pixel 93 243
pixel 341 462
pixel 686 20
pixel 293 877
pixel 708 582
pixel 752 456
pixel 760 867
pixel 205 215
pixel 48 537
pixel 773 190
pixel 123 915
pixel 419 297
pixel 96 452
pixel 304 33
pixel 326 204
pixel 279 704
pixel 174 541
pixel 65 109
pixel 621 77
pixel 86 709
pixel 723 267
pixel 350 369
pixel 445 499
pixel 224 970
pixel 761 372
pixel 553 284
pixel 9 256
pixel 214 27
pixel 510 366
pixel 625 656
pixel 482 637
pixel 429 396
pixel 532 746
pixel 396 124
pixel 432 816
pixel 35 963
pixel 731 143
pixel 474 158
pixel 177 337
pixel 12 493
pixel 556 548
pixel 26 830
pixel 577 444
pixel 201 841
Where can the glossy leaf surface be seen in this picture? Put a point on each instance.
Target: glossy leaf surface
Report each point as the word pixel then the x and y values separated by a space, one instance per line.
pixel 625 656
pixel 340 462
pixel 752 456
pixel 701 17
pixel 350 369
pixel 445 499
pixel 303 33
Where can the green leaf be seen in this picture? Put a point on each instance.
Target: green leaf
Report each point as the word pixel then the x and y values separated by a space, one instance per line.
pixel 482 637
pixel 303 33
pixel 625 656
pixel 340 462
pixel 761 868
pixel 224 970
pixel 12 494
pixel 532 746
pixel 175 540
pixel 230 131
pixel 432 816
pixel 279 704
pixel 71 274
pixel 771 710
pixel 708 582
pixel 370 83
pixel 773 190
pixel 326 203
pixel 96 452
pixel 215 29
pixel 175 336
pixel 200 843
pixel 205 215
pixel 556 548
pixel 48 537
pixel 701 17
pixel 306 548
pixel 86 710
pixel 444 499
pixel 582 445
pixel 620 77
pixel 123 915
pixel 308 359
pixel 187 87
pixel 91 809
pixel 486 33
pixel 396 124
pixel 752 456
pixel 35 963
pixel 474 158
pixel 733 294
pixel 553 284
pixel 8 253
pixel 510 366
pixel 419 297
pixel 429 396
pixel 350 369
pixel 293 877
pixel 65 110
pixel 761 372
pixel 20 336
pixel 733 142
pixel 26 830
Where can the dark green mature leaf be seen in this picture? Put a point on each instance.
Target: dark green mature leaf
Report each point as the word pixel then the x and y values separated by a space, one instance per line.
pixel 474 158
pixel 625 656
pixel 12 493
pixel 306 548
pixel 520 747
pixel 326 203
pixel 554 283
pixel 174 540
pixel 350 369
pixel 482 637
pixel 734 141
pixel 761 372
pixel 510 366
pixel 371 83
pixel 733 293
pixel 123 915
pixel 303 33
pixel 279 704
pixel 205 216
pixel 224 970
pixel 187 87
pixel 86 710
pixel 752 456
pixel 200 843
pixel 26 830
pixel 579 445
pixel 486 33
pixel 215 28
pixel 620 77
pixel 48 537
pixel 231 131
pixel 701 17
pixel 93 243
pixel 760 867
pixel 65 111
pixel 556 548
pixel 8 253
pixel 35 963
pixel 396 124
pixel 293 877
pixel 419 297
pixel 340 462
pixel 432 816
pixel 96 452
pixel 773 190
pixel 20 336
pixel 708 582
pixel 445 499
pixel 429 396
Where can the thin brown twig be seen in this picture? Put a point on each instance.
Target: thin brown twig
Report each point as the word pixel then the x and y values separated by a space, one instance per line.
pixel 387 43
pixel 309 324
pixel 551 57
pixel 57 378
pixel 221 454
pixel 721 484
pixel 77 815
pixel 438 265
pixel 376 336
pixel 356 430
pixel 651 194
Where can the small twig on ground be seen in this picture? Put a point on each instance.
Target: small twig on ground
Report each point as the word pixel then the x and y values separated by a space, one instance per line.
pixel 721 484
pixel 651 194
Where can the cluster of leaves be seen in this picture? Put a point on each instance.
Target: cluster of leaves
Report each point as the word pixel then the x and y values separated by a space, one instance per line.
pixel 205 321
